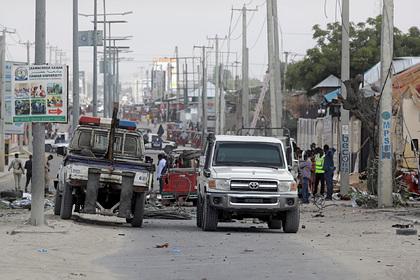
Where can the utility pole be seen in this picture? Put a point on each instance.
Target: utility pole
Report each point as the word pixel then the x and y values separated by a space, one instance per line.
pixel 38 129
pixel 222 102
pixel 385 174
pixel 105 66
pixel 277 72
pixel 76 106
pixel 271 64
pixel 345 114
pixel 2 91
pixel 245 65
pixel 286 62
pixel 95 60
pixel 204 94
pixel 218 99
pixel 177 79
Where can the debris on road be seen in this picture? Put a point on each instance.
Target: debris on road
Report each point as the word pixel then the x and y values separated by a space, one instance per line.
pixel 406 231
pixel 164 245
pixel 402 226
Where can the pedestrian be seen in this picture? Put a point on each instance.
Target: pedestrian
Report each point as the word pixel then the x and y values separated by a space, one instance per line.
pixel 46 174
pixel 329 170
pixel 319 171
pixel 18 170
pixel 160 171
pixel 28 167
pixel 305 166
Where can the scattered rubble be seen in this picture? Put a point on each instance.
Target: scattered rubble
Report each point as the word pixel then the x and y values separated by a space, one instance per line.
pixel 19 200
pixel 164 245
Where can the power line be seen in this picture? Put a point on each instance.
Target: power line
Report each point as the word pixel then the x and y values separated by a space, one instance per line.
pixel 260 33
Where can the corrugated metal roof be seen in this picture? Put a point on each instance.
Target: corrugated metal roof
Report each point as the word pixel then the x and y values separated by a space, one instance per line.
pixel 330 82
pixel 373 75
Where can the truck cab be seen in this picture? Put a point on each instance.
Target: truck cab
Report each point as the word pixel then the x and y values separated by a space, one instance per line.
pixel 246 177
pixel 88 156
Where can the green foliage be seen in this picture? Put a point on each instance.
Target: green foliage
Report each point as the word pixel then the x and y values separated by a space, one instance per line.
pixel 365 39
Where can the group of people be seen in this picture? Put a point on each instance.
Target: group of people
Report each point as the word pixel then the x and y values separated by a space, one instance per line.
pixel 317 168
pixel 19 169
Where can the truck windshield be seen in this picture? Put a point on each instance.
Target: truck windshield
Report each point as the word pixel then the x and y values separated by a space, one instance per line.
pixel 97 142
pixel 249 154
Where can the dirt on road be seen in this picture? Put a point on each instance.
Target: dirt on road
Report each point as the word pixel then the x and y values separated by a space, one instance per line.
pixel 361 240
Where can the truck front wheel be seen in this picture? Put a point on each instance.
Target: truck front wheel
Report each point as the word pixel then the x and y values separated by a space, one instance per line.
pixel 57 203
pixel 291 221
pixel 199 211
pixel 137 220
pixel 210 216
pixel 66 202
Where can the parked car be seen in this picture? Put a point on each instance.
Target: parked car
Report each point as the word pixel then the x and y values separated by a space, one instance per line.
pixel 90 158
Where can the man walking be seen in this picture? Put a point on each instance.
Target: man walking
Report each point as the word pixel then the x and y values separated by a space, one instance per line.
pixel 160 171
pixel 18 170
pixel 329 170
pixel 305 166
pixel 28 167
pixel 319 172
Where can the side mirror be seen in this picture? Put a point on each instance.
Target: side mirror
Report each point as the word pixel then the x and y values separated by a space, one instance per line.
pixel 148 159
pixel 206 173
pixel 62 151
pixel 202 161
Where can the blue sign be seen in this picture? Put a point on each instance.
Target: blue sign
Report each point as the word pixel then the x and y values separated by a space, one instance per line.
pixel 345 153
pixel 386 147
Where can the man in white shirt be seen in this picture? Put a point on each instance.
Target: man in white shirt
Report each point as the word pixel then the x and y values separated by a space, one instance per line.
pixel 160 171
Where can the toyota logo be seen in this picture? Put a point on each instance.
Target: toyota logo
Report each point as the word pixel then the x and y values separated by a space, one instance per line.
pixel 253 185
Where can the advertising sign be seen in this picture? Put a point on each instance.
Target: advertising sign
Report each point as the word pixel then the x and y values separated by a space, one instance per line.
pixel 39 93
pixel 9 126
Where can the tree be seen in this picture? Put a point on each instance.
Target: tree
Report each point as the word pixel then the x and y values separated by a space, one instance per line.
pixel 365 39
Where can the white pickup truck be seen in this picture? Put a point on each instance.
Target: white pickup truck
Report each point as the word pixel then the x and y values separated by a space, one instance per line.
pixel 246 177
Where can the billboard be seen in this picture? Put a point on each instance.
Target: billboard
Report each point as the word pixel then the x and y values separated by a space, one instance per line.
pixel 9 126
pixel 39 93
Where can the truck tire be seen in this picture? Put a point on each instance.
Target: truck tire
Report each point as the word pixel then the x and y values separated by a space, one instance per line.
pixel 199 218
pixel 137 220
pixel 57 203
pixel 210 217
pixel 291 221
pixel 66 202
pixel 274 223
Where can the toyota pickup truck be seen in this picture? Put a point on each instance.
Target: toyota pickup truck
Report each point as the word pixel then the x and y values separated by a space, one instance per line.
pixel 108 193
pixel 246 177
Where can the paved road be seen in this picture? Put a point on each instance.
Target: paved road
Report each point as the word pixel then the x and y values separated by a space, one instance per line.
pixel 7 182
pixel 236 251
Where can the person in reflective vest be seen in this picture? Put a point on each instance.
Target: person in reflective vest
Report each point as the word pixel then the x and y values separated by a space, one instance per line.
pixel 319 172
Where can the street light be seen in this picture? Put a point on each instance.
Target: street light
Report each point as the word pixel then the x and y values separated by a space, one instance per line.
pixel 106 105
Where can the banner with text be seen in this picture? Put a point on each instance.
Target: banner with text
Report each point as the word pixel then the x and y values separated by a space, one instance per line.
pixel 40 93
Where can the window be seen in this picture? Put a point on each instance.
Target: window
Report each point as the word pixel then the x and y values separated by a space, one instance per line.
pixel 130 147
pixel 100 141
pixel 81 140
pixel 249 154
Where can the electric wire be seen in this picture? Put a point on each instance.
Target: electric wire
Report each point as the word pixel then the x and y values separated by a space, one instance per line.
pixel 259 33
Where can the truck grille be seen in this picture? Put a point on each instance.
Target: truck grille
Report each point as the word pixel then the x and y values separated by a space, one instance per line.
pixel 257 185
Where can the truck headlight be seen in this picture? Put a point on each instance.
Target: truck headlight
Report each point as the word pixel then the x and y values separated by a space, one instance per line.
pixel 290 186
pixel 219 184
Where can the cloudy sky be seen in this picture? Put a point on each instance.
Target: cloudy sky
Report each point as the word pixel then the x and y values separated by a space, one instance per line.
pixel 157 26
